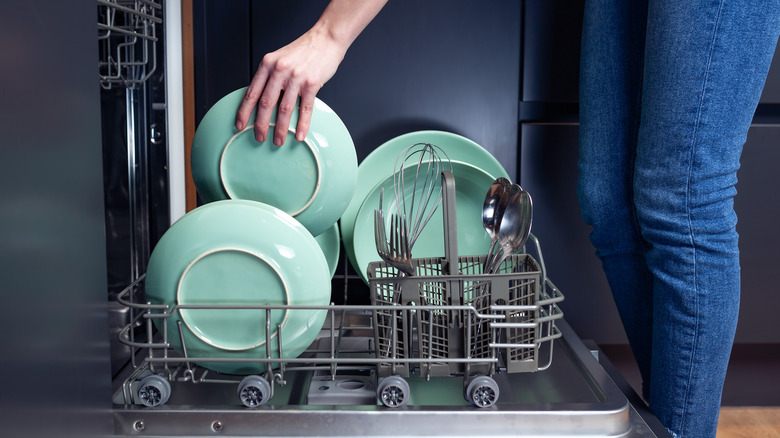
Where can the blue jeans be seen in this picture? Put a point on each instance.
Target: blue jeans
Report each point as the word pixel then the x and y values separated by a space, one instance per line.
pixel 667 93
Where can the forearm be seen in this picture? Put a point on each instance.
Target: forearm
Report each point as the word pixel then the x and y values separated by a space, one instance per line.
pixel 344 20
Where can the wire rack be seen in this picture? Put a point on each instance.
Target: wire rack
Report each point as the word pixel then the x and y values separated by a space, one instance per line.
pixel 447 334
pixel 127 33
pixel 449 319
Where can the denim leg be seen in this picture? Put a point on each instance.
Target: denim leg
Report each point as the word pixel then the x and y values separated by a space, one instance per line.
pixel 611 69
pixel 705 66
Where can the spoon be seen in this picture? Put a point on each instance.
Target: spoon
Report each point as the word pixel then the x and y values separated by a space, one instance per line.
pixel 507 197
pixel 490 216
pixel 527 215
pixel 515 225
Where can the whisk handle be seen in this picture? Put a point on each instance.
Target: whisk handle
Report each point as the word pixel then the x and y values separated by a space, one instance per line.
pixel 450 222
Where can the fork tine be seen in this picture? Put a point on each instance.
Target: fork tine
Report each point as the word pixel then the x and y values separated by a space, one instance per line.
pixel 399 239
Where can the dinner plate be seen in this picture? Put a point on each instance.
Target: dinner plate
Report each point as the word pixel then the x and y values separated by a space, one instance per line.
pixel 379 164
pixel 238 253
pixel 330 243
pixel 312 180
pixel 471 184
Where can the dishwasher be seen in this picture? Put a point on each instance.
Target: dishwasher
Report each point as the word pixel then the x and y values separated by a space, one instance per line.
pixel 457 365
pixel 331 389
pixel 446 352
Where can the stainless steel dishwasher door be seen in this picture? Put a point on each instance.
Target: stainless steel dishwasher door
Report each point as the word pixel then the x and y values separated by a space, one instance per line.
pixel 574 397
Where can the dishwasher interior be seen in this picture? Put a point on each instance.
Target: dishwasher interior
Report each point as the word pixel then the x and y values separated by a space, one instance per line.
pixel 332 388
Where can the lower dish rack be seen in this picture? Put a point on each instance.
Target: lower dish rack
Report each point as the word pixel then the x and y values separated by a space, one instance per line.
pixel 470 325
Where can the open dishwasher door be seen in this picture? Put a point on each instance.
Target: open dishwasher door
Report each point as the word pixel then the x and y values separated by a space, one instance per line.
pixel 574 397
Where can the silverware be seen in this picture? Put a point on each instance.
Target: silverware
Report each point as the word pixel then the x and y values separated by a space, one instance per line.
pixel 514 226
pixel 418 196
pixel 396 251
pixel 491 217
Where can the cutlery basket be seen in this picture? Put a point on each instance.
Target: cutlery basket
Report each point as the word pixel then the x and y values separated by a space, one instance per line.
pixel 473 316
pixel 465 313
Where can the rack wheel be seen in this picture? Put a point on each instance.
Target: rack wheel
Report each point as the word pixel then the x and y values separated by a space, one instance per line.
pixel 482 392
pixel 393 391
pixel 154 390
pixel 254 391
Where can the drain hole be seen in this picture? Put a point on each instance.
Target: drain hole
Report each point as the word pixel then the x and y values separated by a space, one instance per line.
pixel 352 385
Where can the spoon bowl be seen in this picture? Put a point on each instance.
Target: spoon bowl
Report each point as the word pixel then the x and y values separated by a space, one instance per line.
pixel 515 224
pixel 490 216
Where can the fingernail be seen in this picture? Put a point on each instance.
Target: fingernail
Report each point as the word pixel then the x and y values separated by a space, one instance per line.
pixel 299 137
pixel 278 141
pixel 260 138
pixel 238 125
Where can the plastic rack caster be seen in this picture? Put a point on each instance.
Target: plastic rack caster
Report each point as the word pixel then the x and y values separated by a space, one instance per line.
pixel 254 391
pixel 482 392
pixel 153 390
pixel 393 391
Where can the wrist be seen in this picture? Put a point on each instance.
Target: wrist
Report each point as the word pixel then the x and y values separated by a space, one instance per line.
pixel 332 34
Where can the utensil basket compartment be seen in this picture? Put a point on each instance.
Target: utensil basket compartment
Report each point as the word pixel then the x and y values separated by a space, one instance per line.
pixel 473 315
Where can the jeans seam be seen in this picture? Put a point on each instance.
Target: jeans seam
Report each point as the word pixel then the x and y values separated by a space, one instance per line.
pixel 688 208
pixel 636 126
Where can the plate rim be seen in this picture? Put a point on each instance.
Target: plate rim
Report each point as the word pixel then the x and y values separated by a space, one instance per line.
pixel 331 254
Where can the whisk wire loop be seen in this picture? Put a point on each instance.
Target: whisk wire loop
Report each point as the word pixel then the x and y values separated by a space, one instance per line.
pixel 416 207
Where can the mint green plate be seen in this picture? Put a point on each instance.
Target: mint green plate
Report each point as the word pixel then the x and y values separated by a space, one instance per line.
pixel 471 185
pixel 242 253
pixel 330 243
pixel 378 165
pixel 312 180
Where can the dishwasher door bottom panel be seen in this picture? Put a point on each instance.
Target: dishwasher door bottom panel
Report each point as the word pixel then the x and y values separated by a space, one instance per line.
pixel 573 397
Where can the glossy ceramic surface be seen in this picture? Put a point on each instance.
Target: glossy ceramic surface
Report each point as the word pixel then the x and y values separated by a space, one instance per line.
pixel 312 180
pixel 471 183
pixel 238 253
pixel 379 164
pixel 330 243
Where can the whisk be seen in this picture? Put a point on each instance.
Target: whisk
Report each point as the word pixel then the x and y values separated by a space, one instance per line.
pixel 418 194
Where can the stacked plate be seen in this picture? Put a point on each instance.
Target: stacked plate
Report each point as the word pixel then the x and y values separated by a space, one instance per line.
pixel 311 180
pixel 474 169
pixel 252 243
pixel 238 253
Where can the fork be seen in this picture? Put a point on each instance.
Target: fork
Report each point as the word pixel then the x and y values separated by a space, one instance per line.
pixel 396 251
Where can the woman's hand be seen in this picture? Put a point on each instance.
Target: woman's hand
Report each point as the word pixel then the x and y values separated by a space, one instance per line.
pixel 302 67
pixel 298 69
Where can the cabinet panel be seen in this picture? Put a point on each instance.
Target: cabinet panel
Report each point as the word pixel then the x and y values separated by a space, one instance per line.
pixel 549 172
pixel 758 210
pixel 772 87
pixel 449 65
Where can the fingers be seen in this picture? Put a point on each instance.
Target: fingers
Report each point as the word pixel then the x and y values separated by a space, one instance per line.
pixel 265 106
pixel 307 108
pixel 284 114
pixel 277 84
pixel 251 97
